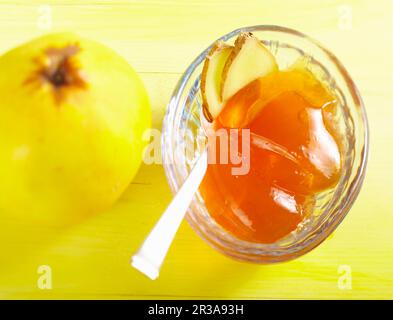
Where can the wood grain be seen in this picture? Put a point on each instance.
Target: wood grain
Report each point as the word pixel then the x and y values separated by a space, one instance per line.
pixel 160 39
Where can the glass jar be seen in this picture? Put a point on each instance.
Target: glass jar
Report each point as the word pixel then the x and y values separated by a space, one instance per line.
pixel 182 126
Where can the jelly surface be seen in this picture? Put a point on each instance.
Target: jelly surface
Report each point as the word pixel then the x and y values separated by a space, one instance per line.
pixel 294 154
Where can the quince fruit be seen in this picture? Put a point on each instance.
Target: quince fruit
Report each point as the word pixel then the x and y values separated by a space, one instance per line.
pixel 72 115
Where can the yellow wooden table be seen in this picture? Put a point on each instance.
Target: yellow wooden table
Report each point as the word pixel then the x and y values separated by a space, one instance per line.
pixel 160 38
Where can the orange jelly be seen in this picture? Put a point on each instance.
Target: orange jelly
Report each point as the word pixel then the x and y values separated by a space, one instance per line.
pixel 294 154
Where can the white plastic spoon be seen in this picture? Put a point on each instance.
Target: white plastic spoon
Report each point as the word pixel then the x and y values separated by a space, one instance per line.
pixel 151 254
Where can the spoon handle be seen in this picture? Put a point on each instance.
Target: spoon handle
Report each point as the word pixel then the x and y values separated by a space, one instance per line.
pixel 152 253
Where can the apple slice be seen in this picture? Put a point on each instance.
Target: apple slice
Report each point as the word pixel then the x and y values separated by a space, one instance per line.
pixel 249 60
pixel 211 79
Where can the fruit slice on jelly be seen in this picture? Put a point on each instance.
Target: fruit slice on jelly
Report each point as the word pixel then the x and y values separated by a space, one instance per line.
pixel 249 60
pixel 227 69
pixel 211 79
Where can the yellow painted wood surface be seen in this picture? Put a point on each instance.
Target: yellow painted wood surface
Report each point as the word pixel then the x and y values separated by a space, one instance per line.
pixel 160 38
